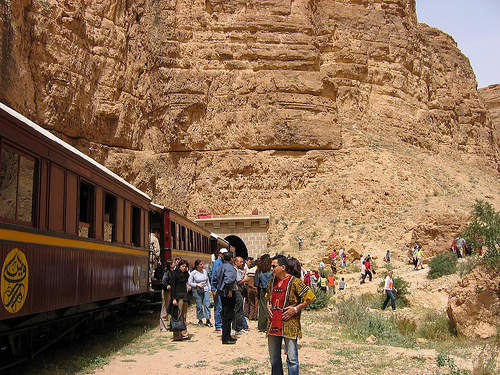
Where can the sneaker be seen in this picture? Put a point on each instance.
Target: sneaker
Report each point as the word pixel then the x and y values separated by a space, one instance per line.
pixel 164 330
pixel 218 330
pixel 200 323
pixel 241 332
pixel 209 324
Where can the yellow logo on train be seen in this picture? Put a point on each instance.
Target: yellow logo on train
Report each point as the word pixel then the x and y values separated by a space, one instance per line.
pixel 14 281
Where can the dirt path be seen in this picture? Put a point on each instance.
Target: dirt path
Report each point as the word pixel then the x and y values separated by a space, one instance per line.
pixel 321 351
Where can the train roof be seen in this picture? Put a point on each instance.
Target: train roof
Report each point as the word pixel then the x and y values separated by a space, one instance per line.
pixel 48 135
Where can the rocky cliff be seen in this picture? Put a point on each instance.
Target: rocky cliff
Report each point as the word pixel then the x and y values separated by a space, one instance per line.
pixel 336 117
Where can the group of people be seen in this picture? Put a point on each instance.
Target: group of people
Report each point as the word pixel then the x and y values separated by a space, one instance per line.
pixel 366 268
pixel 270 290
pixel 461 248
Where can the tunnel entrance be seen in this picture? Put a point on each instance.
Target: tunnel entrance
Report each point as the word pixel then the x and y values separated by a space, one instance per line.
pixel 239 246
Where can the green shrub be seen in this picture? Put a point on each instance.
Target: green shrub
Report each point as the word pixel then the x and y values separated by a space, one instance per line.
pixel 442 264
pixel 484 231
pixel 322 299
pixel 435 326
pixel 359 322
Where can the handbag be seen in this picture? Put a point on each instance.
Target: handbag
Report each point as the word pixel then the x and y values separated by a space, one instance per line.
pixel 177 323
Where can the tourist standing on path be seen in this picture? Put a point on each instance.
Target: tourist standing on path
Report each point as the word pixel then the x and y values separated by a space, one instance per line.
pixel 239 287
pixel 217 304
pixel 389 292
pixel 262 277
pixel 251 307
pixel 180 298
pixel 225 281
pixel 388 257
pixel 198 280
pixel 286 296
pixel 166 295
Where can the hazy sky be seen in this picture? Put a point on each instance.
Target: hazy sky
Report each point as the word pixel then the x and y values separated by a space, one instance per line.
pixel 475 26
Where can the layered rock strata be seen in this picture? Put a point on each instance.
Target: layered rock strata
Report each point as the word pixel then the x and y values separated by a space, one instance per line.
pixel 334 116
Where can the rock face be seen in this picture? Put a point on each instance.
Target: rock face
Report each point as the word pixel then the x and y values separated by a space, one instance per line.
pixel 336 117
pixel 474 305
pixel 491 97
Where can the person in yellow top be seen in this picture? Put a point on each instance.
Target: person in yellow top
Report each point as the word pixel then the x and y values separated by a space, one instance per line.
pixel 286 296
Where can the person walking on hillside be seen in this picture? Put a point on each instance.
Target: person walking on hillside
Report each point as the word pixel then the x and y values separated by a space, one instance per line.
pixel 331 283
pixel 286 296
pixel 460 242
pixel 368 268
pixel 420 258
pixel 362 268
pixel 389 292
pixel 388 257
pixel 415 249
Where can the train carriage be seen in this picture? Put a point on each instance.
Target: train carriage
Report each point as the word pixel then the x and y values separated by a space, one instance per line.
pixel 75 240
pixel 183 238
pixel 73 235
pixel 80 230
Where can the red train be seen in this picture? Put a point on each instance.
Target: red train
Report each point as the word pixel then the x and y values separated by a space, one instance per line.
pixel 74 240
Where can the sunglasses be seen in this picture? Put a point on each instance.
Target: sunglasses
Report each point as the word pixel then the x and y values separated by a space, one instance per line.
pixel 275 265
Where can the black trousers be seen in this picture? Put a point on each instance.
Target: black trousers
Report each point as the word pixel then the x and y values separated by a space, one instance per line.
pixel 227 316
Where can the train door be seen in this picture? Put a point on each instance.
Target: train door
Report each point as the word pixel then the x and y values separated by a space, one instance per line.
pixel 155 235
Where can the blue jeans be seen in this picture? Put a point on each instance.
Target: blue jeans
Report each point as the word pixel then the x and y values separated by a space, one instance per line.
pixel 202 304
pixel 217 312
pixel 389 295
pixel 292 355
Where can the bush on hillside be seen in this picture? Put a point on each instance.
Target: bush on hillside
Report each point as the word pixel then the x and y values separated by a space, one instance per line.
pixel 484 230
pixel 322 299
pixel 442 264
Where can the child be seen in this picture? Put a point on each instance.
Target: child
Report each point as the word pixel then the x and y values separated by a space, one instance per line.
pixel 342 284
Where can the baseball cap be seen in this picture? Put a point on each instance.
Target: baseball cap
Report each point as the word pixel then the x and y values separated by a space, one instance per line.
pixel 223 250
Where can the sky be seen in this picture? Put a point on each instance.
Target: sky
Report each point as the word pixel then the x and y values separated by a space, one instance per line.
pixel 475 26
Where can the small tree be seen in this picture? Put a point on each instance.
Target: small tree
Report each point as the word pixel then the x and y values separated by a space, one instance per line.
pixel 484 230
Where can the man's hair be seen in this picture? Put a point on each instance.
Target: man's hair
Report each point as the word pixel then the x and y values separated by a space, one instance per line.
pixel 282 260
pixel 228 256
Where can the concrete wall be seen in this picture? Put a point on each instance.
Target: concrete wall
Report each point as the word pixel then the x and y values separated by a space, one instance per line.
pixel 251 229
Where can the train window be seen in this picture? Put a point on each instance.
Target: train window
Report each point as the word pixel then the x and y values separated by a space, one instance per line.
pixel 136 226
pixel 17 177
pixel 109 218
pixel 87 199
pixel 173 231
